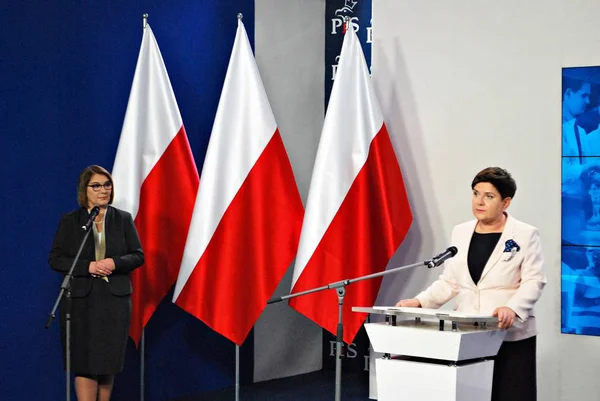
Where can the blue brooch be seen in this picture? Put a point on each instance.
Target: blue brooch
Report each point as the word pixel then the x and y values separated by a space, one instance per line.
pixel 512 247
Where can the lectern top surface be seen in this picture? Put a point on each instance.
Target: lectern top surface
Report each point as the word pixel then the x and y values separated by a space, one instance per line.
pixel 436 314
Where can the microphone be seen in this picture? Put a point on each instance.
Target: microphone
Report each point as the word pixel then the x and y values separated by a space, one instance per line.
pixel 93 213
pixel 442 257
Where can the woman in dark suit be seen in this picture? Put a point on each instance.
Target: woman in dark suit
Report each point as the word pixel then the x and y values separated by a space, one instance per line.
pixel 100 288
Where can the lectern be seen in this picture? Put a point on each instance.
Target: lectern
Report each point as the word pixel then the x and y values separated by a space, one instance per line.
pixel 432 354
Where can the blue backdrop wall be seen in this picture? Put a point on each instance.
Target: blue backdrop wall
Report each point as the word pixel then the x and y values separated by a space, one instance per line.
pixel 66 70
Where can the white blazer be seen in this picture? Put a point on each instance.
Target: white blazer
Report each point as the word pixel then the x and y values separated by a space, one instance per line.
pixel 512 279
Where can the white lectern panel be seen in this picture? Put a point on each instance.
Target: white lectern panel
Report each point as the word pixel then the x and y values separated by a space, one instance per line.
pixel 399 380
pixel 424 339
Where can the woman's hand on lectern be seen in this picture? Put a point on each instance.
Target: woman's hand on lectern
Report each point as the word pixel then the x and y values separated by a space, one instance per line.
pixel 410 303
pixel 506 317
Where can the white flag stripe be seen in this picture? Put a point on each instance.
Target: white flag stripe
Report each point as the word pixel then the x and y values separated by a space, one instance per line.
pixel 343 147
pixel 138 154
pixel 242 91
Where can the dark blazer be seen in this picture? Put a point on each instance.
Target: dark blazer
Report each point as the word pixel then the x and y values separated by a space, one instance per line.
pixel 122 245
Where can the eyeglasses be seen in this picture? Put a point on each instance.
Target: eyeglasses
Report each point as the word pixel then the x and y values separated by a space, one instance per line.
pixel 96 187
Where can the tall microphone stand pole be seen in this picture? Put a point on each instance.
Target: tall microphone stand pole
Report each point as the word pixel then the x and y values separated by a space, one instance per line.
pixel 340 287
pixel 65 292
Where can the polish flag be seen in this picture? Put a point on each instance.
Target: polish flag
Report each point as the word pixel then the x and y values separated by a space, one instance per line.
pixel 357 212
pixel 248 213
pixel 156 180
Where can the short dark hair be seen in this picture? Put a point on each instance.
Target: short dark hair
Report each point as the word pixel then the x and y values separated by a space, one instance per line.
pixel 84 179
pixel 499 178
pixel 571 83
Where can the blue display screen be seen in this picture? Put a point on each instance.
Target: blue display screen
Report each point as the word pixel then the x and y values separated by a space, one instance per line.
pixel 580 267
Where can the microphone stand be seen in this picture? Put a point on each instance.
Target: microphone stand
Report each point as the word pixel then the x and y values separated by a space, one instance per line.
pixel 340 287
pixel 65 292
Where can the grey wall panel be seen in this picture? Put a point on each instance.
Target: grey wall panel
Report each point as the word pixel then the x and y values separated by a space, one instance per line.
pixel 290 43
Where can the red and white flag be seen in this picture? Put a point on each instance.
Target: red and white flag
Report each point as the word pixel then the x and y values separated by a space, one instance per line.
pixel 156 180
pixel 248 213
pixel 357 212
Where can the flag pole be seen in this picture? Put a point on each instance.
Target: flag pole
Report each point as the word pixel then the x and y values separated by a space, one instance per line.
pixel 142 364
pixel 240 16
pixel 237 372
pixel 142 340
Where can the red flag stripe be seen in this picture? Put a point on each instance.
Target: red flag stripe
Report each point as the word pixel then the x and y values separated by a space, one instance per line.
pixel 166 204
pixel 363 235
pixel 252 246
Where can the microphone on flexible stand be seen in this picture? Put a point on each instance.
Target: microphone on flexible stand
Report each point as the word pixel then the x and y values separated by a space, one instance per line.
pixel 442 257
pixel 93 213
pixel 340 287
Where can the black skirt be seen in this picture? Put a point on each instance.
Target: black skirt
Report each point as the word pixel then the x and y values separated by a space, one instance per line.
pixel 99 330
pixel 515 371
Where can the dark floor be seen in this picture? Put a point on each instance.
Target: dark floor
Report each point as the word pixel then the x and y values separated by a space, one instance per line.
pixel 312 386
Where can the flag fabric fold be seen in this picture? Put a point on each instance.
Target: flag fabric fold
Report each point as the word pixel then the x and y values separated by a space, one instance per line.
pixel 357 212
pixel 155 179
pixel 248 213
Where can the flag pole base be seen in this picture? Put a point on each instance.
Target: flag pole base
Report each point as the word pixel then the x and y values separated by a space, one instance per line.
pixel 341 293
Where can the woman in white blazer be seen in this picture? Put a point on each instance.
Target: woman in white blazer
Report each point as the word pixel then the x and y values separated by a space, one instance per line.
pixel 497 270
